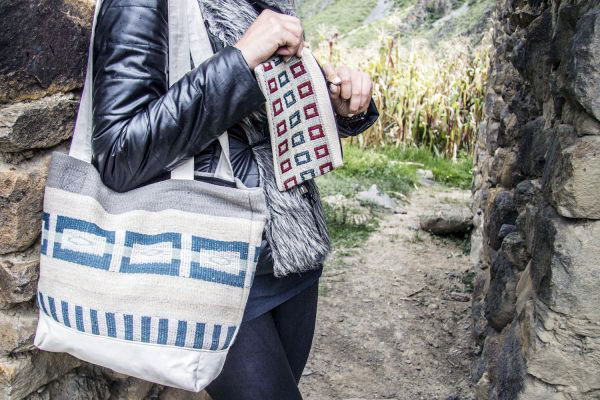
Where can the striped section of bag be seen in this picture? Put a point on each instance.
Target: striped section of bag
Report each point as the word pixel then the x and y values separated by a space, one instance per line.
pixel 140 328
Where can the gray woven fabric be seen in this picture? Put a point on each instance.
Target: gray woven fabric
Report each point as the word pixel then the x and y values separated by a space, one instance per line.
pixel 72 175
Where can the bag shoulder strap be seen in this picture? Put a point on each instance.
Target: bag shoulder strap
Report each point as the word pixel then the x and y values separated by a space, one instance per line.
pixel 187 35
pixel 185 20
pixel 81 144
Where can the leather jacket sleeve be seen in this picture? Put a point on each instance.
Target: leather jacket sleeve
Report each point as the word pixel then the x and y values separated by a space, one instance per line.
pixel 143 128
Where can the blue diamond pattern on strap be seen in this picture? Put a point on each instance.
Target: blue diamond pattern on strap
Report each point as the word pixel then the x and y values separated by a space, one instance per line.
pixel 283 79
pixel 295 119
pixel 308 174
pixel 290 99
pixel 302 158
pixel 297 139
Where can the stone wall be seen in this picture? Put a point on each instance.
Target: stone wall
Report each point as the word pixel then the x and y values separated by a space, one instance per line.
pixel 536 304
pixel 43 52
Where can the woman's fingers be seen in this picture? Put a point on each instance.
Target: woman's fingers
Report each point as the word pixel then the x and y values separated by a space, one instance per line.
pixel 356 98
pixel 290 45
pixel 354 92
pixel 300 48
pixel 334 81
pixel 271 33
pixel 365 97
pixel 346 80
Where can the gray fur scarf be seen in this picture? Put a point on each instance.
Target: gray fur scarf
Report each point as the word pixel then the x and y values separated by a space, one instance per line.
pixel 295 228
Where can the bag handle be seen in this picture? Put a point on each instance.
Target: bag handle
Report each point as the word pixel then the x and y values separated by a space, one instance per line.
pixel 81 144
pixel 183 14
pixel 201 49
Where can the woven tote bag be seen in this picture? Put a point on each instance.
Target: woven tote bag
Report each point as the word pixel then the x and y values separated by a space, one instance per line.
pixel 153 282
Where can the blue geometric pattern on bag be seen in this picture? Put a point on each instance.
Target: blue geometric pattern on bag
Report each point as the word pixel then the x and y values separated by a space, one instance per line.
pixel 137 328
pixel 85 243
pixel 45 224
pixel 82 242
pixel 202 269
pixel 167 243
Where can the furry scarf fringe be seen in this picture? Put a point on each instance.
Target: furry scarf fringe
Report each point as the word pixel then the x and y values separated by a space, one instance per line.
pixel 295 228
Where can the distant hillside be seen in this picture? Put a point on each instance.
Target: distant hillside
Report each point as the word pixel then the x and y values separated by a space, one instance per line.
pixel 360 21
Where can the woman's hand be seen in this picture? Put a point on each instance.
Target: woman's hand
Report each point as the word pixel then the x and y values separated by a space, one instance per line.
pixel 271 33
pixel 350 90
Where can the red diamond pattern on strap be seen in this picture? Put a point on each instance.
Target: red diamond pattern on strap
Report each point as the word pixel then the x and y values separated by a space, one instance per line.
pixel 281 127
pixel 290 182
pixel 298 70
pixel 272 85
pixel 305 89
pixel 283 147
pixel 277 107
pixel 316 132
pixel 267 66
pixel 310 111
pixel 325 168
pixel 322 151
pixel 285 165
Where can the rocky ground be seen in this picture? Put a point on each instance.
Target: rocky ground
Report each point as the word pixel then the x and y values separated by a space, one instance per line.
pixel 393 316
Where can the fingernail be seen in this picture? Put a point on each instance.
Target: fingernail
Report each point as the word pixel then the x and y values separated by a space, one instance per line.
pixel 350 115
pixel 286 58
pixel 337 80
pixel 332 87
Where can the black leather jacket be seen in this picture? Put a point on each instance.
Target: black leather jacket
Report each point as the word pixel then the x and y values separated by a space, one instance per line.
pixel 142 128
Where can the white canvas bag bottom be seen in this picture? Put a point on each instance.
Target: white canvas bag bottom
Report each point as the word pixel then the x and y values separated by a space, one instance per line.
pixel 165 365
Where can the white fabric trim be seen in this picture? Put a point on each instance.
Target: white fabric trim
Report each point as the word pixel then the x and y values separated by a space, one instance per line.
pixel 180 368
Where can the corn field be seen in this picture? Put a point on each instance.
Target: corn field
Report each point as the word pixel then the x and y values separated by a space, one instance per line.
pixel 426 97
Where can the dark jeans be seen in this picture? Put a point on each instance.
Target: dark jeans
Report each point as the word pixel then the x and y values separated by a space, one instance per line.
pixel 269 353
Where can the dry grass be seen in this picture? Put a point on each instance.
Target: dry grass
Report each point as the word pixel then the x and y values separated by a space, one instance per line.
pixel 428 98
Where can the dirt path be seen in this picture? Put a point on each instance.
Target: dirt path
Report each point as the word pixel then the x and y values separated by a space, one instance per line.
pixel 393 317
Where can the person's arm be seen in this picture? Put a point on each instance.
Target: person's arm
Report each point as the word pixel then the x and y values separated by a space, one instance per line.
pixel 142 127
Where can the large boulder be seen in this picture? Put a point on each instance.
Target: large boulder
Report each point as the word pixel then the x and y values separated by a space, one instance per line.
pixel 37 124
pixel 583 63
pixel 23 373
pixel 21 195
pixel 500 210
pixel 572 179
pixel 501 296
pixel 79 384
pixel 447 219
pixel 177 394
pixel 17 328
pixel 43 47
pixel 19 273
